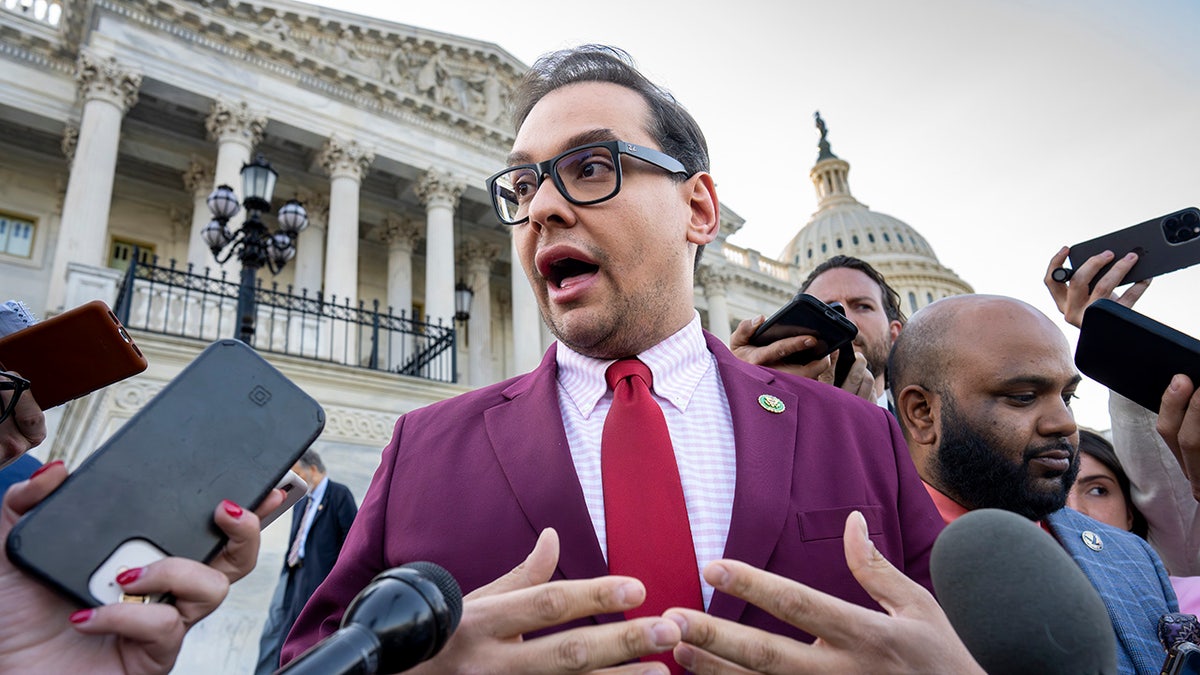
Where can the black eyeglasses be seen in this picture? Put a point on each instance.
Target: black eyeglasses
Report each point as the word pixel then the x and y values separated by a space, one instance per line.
pixel 588 174
pixel 17 385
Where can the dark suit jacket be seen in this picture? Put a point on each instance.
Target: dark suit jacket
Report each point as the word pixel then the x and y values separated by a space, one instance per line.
pixel 1130 579
pixel 469 483
pixel 329 528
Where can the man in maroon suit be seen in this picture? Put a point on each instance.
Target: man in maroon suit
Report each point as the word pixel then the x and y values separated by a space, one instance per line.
pixel 611 203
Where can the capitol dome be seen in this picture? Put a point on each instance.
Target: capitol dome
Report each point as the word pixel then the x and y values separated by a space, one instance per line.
pixel 844 226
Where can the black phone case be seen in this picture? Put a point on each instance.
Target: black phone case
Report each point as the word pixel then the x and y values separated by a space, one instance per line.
pixel 1133 354
pixel 1150 240
pixel 72 354
pixel 806 315
pixel 229 426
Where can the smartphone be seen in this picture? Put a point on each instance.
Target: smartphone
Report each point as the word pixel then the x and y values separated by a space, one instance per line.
pixel 806 315
pixel 72 354
pixel 229 426
pixel 1163 244
pixel 1133 354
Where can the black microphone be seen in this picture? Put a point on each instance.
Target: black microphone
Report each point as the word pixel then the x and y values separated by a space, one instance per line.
pixel 1017 600
pixel 403 617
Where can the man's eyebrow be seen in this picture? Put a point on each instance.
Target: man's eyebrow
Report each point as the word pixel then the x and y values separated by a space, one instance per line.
pixel 1039 382
pixel 583 138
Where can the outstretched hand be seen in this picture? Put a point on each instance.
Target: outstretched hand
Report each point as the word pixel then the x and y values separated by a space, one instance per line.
pixel 1073 296
pixel 496 616
pixel 860 381
pixel 913 636
pixel 1179 425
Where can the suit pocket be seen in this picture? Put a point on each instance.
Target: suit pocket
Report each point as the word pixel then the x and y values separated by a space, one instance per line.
pixel 831 523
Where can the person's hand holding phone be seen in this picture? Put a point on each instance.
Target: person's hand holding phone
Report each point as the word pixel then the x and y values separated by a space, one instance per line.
pixel 1073 296
pixel 1179 425
pixel 41 631
pixel 860 381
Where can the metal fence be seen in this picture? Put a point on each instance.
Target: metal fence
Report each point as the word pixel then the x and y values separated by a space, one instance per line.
pixel 179 302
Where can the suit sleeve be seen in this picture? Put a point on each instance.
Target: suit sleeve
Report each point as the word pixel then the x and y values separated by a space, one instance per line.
pixel 1159 488
pixel 361 558
pixel 919 519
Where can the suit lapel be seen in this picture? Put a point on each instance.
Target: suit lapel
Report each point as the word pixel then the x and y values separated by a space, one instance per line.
pixel 529 441
pixel 765 445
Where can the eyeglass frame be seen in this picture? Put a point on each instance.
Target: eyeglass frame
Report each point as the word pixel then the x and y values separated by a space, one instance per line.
pixel 18 385
pixel 548 167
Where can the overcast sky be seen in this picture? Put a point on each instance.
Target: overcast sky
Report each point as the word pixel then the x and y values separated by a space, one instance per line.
pixel 999 129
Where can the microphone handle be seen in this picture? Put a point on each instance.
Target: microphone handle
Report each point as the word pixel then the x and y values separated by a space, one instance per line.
pixel 352 650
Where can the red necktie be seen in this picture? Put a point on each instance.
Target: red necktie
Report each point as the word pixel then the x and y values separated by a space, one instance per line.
pixel 644 513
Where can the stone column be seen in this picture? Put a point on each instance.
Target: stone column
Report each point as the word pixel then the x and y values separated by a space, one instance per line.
pixel 346 162
pixel 236 129
pixel 309 263
pixel 108 91
pixel 198 179
pixel 401 235
pixel 439 192
pixel 477 258
pixel 716 284
pixel 526 320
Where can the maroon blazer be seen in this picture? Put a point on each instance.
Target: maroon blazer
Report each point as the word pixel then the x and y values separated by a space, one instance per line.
pixel 468 483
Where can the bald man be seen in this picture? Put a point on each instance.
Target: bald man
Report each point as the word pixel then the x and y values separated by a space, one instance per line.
pixel 983 388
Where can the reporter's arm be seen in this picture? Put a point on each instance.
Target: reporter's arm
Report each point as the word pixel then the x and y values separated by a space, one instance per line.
pixel 860 381
pixel 1073 296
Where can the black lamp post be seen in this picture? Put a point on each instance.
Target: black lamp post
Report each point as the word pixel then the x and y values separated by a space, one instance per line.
pixel 254 244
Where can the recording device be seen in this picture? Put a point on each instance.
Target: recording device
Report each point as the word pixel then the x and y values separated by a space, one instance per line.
pixel 403 617
pixel 1179 634
pixel 229 426
pixel 1133 354
pixel 1017 600
pixel 1163 244
pixel 806 315
pixel 72 354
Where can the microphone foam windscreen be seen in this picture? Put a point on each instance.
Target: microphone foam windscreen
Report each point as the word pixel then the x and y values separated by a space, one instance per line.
pixel 1017 599
pixel 446 584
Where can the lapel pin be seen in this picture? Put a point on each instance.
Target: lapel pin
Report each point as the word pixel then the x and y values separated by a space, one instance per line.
pixel 1092 540
pixel 771 403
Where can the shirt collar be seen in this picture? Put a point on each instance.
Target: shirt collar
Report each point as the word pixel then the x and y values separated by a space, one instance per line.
pixel 951 510
pixel 677 363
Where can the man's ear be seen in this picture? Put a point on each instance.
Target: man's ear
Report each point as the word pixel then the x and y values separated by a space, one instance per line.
pixel 919 410
pixel 705 220
pixel 894 329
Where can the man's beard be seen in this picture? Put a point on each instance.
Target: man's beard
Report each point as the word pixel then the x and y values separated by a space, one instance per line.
pixel 876 354
pixel 969 468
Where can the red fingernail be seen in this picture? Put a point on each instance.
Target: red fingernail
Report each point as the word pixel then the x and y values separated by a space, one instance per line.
pixel 130 575
pixel 231 508
pixel 41 469
pixel 82 615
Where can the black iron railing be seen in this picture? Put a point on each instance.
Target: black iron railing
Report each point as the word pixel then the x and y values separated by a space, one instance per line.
pixel 180 302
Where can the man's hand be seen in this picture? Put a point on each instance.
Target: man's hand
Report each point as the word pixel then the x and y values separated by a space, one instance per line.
pixel 1074 296
pixel 860 381
pixel 23 430
pixel 913 637
pixel 525 600
pixel 1179 425
pixel 41 631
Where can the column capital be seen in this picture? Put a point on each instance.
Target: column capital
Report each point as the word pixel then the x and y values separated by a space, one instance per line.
pixel 236 122
pixel 715 280
pixel 70 141
pixel 106 80
pixel 317 206
pixel 401 232
pixel 198 177
pixel 439 188
pixel 343 157
pixel 477 255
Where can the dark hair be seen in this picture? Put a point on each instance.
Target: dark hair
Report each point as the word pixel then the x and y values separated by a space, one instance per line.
pixel 891 299
pixel 1098 448
pixel 311 460
pixel 670 124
